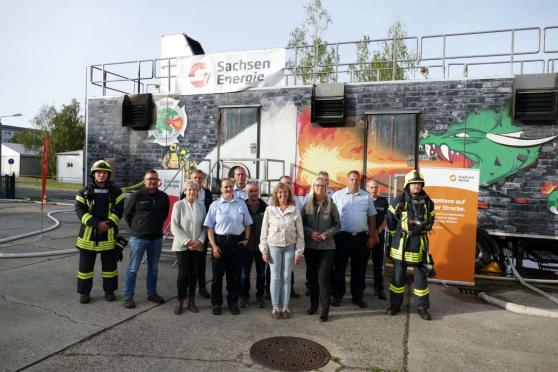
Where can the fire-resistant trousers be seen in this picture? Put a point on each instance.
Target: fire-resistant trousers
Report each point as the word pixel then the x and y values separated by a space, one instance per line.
pixel 87 266
pixel 397 286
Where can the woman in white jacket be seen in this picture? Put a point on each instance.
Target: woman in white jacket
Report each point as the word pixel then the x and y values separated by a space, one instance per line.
pixel 189 233
pixel 282 245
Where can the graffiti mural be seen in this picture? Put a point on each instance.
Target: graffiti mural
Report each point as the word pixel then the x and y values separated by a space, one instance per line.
pixel 485 140
pixel 170 123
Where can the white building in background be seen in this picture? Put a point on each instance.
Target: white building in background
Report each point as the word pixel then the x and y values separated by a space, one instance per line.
pixel 20 160
pixel 69 167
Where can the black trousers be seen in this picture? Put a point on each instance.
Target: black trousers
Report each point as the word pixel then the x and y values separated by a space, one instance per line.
pixel 227 264
pixel 87 266
pixel 377 254
pixel 353 247
pixel 201 266
pixel 397 285
pixel 188 264
pixel 247 258
pixel 318 272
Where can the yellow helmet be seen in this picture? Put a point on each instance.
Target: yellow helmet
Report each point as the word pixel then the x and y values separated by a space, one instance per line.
pixel 413 176
pixel 101 165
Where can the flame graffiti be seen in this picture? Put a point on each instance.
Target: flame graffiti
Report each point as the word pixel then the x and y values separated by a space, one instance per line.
pixel 548 188
pixel 339 150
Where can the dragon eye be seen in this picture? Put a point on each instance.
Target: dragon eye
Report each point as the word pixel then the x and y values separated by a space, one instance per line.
pixel 461 135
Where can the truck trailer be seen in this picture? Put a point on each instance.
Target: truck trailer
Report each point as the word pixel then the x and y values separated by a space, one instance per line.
pixel 505 126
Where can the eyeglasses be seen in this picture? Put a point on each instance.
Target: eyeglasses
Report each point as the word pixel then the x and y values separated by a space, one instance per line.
pixel 152 179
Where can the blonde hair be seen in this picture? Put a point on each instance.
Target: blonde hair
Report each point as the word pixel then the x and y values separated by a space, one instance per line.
pixel 324 205
pixel 281 186
pixel 189 184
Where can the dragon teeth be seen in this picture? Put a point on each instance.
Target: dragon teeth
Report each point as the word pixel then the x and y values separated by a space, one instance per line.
pixel 445 152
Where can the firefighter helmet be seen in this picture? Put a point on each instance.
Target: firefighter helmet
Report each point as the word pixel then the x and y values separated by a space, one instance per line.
pixel 100 165
pixel 413 176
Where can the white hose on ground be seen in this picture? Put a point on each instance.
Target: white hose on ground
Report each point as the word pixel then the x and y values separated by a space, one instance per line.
pixel 507 253
pixel 519 309
pixel 37 254
pixel 539 281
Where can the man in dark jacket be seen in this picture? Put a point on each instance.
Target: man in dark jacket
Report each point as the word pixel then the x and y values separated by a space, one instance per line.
pixel 381 204
pixel 99 208
pixel 145 213
pixel 204 196
pixel 256 207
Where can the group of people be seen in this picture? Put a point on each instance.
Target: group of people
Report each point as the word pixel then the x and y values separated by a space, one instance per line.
pixel 327 228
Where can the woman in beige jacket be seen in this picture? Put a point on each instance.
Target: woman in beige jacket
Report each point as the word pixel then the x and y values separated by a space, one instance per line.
pixel 189 233
pixel 282 245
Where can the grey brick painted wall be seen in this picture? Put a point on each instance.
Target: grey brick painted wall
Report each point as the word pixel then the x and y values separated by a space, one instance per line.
pixel 440 102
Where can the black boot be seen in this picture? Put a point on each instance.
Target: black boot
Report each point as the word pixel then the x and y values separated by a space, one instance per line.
pixel 84 298
pixel 424 314
pixel 393 310
pixel 324 316
pixel 192 305
pixel 179 306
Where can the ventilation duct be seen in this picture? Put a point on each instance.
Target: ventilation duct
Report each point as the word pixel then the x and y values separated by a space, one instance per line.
pixel 535 97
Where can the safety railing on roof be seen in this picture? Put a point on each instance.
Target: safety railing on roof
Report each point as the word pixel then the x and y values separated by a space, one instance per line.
pixel 525 50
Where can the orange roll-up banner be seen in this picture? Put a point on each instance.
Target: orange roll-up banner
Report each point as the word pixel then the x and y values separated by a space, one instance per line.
pixel 453 239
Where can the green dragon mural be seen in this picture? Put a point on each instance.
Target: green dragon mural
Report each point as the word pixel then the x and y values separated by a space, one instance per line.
pixel 487 140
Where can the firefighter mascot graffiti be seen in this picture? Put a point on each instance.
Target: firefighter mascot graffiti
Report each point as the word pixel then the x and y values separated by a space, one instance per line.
pixel 409 219
pixel 99 208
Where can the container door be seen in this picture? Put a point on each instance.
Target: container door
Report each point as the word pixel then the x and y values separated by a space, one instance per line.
pixel 391 149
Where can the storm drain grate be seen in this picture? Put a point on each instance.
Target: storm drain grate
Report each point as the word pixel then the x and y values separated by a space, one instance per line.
pixel 289 354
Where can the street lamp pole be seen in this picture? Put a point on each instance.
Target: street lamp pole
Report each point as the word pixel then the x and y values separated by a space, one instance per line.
pixel 4 116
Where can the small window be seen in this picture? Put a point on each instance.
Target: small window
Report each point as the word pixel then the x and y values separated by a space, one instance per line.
pixel 235 120
pixel 69 165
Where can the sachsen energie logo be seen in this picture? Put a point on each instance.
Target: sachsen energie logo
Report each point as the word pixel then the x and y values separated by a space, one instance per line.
pixel 199 75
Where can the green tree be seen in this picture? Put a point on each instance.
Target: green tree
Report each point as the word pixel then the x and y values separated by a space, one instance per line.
pixel 33 138
pixel 314 61
pixel 67 132
pixel 393 60
pixel 65 127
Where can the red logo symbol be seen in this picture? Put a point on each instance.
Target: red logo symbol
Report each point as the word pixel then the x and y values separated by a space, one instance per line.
pixel 199 76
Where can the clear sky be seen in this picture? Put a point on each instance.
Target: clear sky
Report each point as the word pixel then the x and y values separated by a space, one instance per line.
pixel 45 46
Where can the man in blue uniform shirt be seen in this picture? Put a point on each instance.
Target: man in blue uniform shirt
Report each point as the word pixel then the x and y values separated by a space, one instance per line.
pixel 228 221
pixel 357 235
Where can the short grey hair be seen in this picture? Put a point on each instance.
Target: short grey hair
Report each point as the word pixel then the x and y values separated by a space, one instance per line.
pixel 189 184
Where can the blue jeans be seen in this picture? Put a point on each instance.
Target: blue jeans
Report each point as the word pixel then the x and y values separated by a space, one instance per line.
pixel 281 262
pixel 137 249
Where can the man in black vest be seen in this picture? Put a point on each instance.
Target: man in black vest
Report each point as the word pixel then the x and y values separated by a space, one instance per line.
pixel 381 204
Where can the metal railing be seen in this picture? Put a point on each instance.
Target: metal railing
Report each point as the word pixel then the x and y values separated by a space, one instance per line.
pixel 151 75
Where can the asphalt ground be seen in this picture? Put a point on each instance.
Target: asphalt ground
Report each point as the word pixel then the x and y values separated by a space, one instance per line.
pixel 45 328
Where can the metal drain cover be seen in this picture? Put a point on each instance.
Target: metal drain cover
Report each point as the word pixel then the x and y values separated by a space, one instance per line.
pixel 289 354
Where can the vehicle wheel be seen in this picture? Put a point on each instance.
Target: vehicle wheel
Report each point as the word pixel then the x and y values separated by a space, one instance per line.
pixel 487 250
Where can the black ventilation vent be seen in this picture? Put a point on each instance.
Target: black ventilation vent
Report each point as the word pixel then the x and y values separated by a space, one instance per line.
pixel 137 111
pixel 328 104
pixel 538 103
pixel 535 97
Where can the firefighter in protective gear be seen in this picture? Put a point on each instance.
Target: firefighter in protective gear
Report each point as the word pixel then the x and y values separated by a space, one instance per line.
pixel 99 207
pixel 409 219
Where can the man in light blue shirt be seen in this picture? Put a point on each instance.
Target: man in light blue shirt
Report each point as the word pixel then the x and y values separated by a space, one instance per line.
pixel 228 221
pixel 240 183
pixel 356 237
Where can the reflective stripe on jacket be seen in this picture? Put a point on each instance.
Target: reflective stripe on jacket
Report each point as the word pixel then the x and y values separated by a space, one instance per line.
pixel 409 241
pixel 89 216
